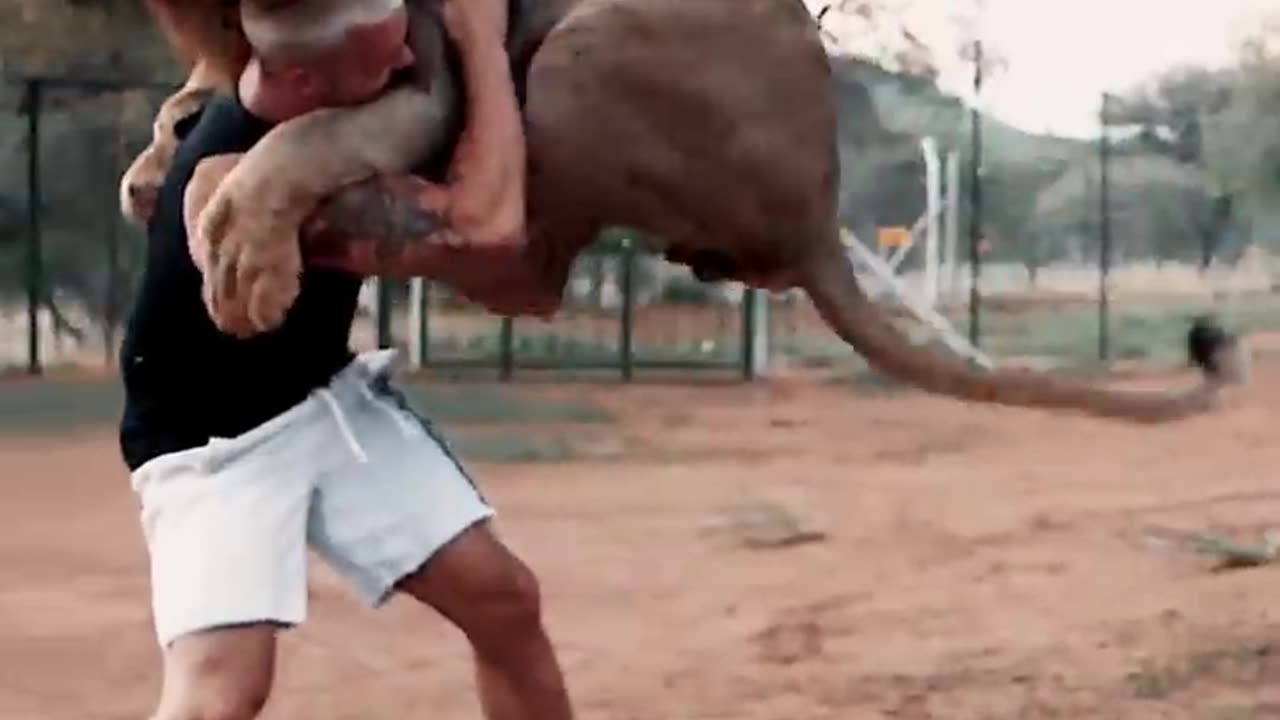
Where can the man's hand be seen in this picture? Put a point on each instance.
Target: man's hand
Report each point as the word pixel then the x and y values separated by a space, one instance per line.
pixel 486 195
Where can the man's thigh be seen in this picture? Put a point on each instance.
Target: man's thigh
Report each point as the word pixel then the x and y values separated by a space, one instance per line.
pixel 401 498
pixel 222 673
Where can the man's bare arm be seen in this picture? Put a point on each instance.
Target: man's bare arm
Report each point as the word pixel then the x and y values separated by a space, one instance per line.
pixel 487 180
pixel 204 32
pixel 250 283
pixel 248 232
pixel 391 227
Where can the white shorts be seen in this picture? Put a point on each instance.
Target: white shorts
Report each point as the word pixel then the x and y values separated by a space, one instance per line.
pixel 352 472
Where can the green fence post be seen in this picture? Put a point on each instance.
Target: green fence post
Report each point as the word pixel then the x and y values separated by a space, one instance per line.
pixel 35 259
pixel 626 347
pixel 1104 229
pixel 424 324
pixel 384 313
pixel 749 334
pixel 506 349
pixel 975 201
pixel 111 297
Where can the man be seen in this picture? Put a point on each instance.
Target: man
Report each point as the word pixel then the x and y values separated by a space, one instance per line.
pixel 245 452
pixel 251 284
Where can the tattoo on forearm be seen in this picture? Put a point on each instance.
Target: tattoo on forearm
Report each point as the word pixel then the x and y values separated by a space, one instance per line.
pixel 388 227
pixel 375 227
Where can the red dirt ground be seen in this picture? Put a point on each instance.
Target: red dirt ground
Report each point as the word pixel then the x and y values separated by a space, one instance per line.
pixel 981 563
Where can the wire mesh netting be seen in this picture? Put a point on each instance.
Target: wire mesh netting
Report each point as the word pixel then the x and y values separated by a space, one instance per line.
pixel 621 309
pixel 976 228
pixel 78 277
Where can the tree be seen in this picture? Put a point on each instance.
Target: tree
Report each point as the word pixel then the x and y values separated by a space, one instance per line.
pixel 1159 208
pixel 1224 123
pixel 1171 110
pixel 111 38
pixel 1242 140
pixel 888 33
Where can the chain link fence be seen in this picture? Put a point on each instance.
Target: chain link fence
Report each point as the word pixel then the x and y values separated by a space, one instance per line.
pixel 624 312
pixel 68 260
pixel 1088 251
pixel 69 264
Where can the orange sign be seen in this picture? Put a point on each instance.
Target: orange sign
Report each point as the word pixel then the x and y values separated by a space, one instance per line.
pixel 893 237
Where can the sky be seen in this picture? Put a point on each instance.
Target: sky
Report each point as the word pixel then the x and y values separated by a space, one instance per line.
pixel 1062 54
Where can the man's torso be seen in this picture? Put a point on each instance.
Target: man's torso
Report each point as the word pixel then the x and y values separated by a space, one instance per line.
pixel 185 381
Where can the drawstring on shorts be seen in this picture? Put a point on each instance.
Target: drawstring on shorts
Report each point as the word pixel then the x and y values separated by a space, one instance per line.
pixel 344 426
pixel 406 427
pixel 377 365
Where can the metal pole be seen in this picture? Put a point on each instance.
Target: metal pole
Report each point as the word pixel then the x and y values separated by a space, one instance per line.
pixel 112 295
pixel 626 341
pixel 385 337
pixel 762 332
pixel 419 322
pixel 749 334
pixel 1104 228
pixel 951 227
pixel 933 217
pixel 35 260
pixel 506 349
pixel 975 197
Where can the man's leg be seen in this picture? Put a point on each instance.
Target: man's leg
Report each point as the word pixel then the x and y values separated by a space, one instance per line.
pixel 225 527
pixel 220 674
pixel 405 517
pixel 489 594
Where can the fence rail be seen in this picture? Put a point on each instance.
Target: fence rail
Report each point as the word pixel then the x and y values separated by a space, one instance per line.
pixel 622 335
pixel 69 263
pixel 454 336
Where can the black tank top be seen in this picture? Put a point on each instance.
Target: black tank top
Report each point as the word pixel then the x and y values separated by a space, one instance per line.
pixel 185 381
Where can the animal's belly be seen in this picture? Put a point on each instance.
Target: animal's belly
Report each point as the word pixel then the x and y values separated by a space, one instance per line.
pixel 707 124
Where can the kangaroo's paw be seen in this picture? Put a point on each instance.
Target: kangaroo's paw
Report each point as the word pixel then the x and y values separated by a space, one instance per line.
pixel 140 184
pixel 252 261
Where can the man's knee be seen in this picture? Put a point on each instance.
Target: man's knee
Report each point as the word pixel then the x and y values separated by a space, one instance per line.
pixel 506 618
pixel 484 589
pixel 222 675
pixel 511 604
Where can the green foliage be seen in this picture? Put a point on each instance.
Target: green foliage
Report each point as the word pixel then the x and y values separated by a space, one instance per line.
pixel 883 115
pixel 1158 207
pixel 1244 137
pixel 90 255
pixel 1226 125
pixel 1172 109
pixel 102 38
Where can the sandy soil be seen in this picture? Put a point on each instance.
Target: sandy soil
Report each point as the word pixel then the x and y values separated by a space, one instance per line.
pixel 980 563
